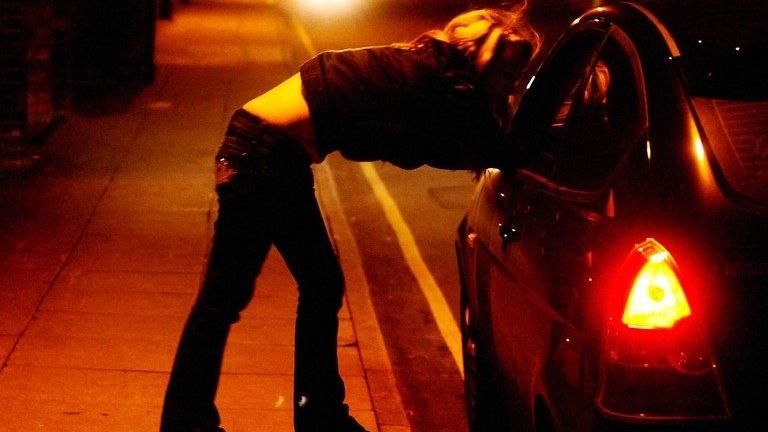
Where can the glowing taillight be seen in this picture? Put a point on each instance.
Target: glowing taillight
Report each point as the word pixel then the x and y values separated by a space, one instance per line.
pixel 657 299
pixel 656 362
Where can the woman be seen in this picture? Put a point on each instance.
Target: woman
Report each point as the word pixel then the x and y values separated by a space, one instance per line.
pixel 426 102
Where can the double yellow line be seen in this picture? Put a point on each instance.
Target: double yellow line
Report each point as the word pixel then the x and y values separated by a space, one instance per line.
pixel 426 281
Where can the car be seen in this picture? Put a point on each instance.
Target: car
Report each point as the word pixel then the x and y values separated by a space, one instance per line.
pixel 614 276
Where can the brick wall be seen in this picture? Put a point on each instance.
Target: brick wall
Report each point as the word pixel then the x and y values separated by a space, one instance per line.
pixel 54 51
pixel 113 45
pixel 13 83
pixel 39 21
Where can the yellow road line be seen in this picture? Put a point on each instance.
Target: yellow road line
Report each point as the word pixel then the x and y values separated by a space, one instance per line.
pixel 429 287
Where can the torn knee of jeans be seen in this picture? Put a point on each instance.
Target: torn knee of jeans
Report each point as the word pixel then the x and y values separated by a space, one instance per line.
pixel 302 402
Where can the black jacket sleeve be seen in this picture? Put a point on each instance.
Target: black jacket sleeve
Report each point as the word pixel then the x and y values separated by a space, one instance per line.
pixel 410 105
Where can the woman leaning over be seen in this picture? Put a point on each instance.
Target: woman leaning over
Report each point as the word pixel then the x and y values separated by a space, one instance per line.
pixel 432 101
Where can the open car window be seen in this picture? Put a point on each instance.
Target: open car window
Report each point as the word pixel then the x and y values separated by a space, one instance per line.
pixel 605 117
pixel 549 97
pixel 591 121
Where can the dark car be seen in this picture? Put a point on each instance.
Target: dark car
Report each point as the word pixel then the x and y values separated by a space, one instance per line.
pixel 616 277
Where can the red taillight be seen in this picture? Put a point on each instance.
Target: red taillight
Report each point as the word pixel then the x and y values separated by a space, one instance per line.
pixel 656 300
pixel 656 363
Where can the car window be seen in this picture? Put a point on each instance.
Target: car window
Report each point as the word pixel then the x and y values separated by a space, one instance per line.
pixel 543 110
pixel 593 128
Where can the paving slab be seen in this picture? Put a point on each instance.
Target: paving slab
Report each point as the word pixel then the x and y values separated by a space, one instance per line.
pixel 102 142
pixel 181 144
pixel 72 400
pixel 85 273
pixel 246 420
pixel 279 421
pixel 275 392
pixel 153 260
pixel 111 353
pixel 259 331
pixel 143 242
pixel 62 416
pixel 35 255
pixel 72 386
pixel 121 281
pixel 37 242
pixel 114 353
pixel 6 345
pixel 193 140
pixel 77 400
pixel 275 279
pixel 66 325
pixel 154 196
pixel 47 399
pixel 181 222
pixel 254 359
pixel 180 109
pixel 72 299
pixel 197 169
pixel 20 294
pixel 76 386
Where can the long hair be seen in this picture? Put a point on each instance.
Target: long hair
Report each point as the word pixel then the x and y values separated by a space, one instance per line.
pixel 493 36
pixel 483 34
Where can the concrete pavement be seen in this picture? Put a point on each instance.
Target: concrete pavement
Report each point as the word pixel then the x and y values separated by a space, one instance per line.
pixel 102 250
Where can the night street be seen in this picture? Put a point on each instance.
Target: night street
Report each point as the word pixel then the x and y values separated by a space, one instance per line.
pixel 493 216
pixel 103 247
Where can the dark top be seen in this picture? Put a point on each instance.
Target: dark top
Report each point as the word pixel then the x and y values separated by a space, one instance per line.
pixel 409 105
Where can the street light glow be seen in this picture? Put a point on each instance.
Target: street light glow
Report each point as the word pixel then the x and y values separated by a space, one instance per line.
pixel 329 6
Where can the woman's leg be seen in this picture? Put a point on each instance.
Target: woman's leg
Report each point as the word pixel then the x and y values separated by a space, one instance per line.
pixel 302 240
pixel 240 245
pixel 267 196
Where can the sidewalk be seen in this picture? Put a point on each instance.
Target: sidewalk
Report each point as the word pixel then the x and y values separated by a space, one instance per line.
pixel 102 252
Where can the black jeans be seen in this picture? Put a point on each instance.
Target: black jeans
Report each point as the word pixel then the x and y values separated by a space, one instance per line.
pixel 266 197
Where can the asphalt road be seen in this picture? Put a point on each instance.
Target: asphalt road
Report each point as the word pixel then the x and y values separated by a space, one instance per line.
pixel 431 203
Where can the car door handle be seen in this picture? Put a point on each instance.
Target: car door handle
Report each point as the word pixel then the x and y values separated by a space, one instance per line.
pixel 509 233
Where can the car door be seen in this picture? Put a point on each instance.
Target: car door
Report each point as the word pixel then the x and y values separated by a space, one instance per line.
pixel 580 126
pixel 510 225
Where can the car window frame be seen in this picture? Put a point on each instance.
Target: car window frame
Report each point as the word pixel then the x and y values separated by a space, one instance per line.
pixel 545 84
pixel 636 126
pixel 546 181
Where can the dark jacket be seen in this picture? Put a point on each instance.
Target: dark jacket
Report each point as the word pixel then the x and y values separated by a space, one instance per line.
pixel 410 105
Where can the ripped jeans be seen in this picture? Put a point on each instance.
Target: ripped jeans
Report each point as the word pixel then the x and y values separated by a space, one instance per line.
pixel 266 197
